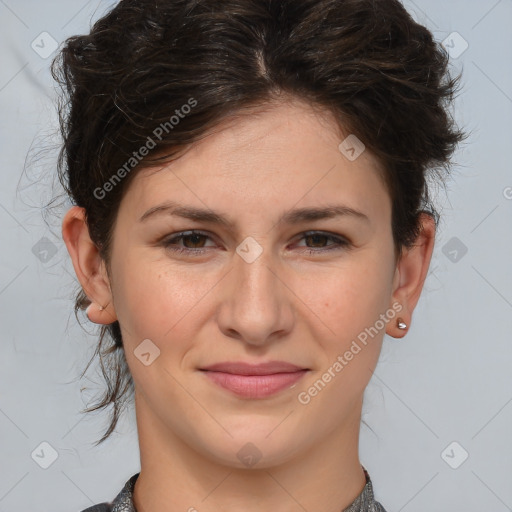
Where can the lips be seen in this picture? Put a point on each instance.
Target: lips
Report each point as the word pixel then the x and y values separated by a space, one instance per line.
pixel 254 381
pixel 241 368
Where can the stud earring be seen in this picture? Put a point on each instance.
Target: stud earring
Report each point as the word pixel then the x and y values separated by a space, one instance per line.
pixel 101 308
pixel 400 323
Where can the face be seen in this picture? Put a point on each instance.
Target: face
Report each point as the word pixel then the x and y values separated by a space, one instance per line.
pixel 257 288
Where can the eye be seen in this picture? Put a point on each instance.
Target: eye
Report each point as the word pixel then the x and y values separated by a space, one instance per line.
pixel 316 238
pixel 197 238
pixel 193 237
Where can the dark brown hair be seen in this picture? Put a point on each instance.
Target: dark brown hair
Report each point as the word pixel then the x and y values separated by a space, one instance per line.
pixel 367 62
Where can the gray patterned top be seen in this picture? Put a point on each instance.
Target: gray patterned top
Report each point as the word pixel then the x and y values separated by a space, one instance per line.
pixel 123 502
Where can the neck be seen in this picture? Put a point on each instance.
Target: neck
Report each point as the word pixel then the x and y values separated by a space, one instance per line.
pixel 174 476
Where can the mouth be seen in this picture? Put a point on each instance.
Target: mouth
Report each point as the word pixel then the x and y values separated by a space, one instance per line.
pixel 254 381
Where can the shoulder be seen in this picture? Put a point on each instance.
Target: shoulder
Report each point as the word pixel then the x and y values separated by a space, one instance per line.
pixel 367 498
pixel 377 507
pixel 123 502
pixel 101 507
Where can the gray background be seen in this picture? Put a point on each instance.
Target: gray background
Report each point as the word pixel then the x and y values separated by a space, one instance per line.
pixel 448 381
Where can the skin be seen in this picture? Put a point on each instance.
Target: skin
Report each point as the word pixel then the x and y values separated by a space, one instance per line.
pixel 285 305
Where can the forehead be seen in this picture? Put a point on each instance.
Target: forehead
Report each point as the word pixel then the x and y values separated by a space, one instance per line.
pixel 262 159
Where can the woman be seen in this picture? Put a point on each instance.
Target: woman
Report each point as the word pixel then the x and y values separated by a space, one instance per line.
pixel 250 218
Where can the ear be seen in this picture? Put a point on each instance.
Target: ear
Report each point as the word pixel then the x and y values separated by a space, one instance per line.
pixel 89 266
pixel 411 272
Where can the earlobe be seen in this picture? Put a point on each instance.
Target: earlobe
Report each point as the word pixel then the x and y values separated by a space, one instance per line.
pixel 89 266
pixel 99 314
pixel 410 275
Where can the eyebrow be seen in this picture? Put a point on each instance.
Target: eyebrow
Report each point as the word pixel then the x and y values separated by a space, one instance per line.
pixel 291 217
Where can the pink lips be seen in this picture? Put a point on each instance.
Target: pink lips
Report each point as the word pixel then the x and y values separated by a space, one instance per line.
pixel 254 381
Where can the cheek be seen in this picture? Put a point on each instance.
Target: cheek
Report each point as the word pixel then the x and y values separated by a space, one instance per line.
pixel 156 301
pixel 347 303
pixel 349 296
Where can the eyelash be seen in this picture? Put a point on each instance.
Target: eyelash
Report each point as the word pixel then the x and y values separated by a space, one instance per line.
pixel 340 243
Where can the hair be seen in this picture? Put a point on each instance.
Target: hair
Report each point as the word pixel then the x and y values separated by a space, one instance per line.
pixel 380 73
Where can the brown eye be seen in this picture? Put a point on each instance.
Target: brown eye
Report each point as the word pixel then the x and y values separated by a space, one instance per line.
pixel 193 241
pixel 319 238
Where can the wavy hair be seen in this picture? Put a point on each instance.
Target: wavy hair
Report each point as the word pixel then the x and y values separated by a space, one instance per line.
pixel 381 74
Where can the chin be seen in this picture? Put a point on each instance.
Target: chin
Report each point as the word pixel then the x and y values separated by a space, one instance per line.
pixel 254 448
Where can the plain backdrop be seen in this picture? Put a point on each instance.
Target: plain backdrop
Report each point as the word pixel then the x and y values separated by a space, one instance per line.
pixel 440 401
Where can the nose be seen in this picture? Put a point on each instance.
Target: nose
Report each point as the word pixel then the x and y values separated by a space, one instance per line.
pixel 256 305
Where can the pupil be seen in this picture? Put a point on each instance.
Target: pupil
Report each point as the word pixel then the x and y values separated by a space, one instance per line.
pixel 315 237
pixel 194 238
